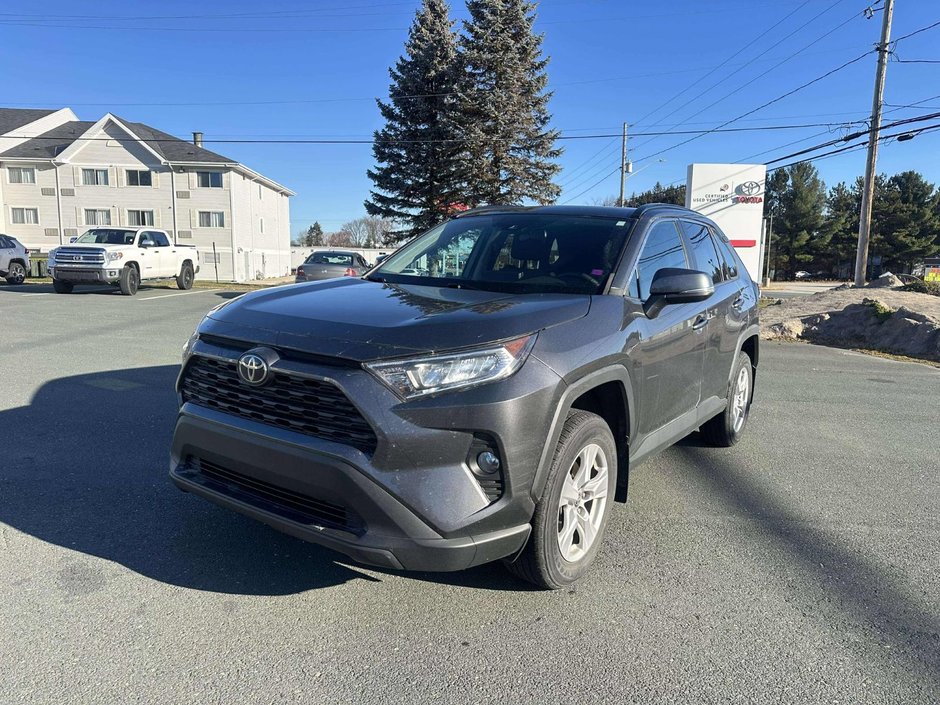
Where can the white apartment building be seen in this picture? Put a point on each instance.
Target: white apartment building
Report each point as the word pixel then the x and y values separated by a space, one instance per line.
pixel 60 176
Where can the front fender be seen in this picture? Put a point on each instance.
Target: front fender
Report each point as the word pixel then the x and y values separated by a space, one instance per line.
pixel 613 373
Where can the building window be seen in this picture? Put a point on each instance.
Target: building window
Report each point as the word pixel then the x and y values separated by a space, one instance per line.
pixel 25 216
pixel 261 220
pixel 94 177
pixel 209 179
pixel 139 178
pixel 259 192
pixel 21 175
pixel 140 218
pixel 211 219
pixel 96 216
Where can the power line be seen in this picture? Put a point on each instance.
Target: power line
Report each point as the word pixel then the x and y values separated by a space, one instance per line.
pixel 855 135
pixel 915 32
pixel 861 146
pixel 773 46
pixel 369 141
pixel 764 105
pixel 804 48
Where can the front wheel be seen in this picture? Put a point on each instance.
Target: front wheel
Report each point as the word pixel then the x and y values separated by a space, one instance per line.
pixel 726 429
pixel 570 517
pixel 130 280
pixel 184 279
pixel 17 273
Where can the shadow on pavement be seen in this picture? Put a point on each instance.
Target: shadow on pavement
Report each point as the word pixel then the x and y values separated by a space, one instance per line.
pixel 87 470
pixel 858 587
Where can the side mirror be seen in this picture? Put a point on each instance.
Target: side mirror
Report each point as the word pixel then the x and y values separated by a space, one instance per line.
pixel 677 286
pixel 73 239
pixel 146 244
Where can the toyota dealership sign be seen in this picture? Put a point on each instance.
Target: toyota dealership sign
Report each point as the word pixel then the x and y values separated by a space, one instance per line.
pixel 733 196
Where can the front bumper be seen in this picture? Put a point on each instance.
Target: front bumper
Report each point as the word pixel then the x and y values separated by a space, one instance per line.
pixel 321 499
pixel 91 275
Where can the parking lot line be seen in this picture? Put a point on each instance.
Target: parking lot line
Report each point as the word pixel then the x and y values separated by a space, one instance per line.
pixel 181 293
pixel 41 293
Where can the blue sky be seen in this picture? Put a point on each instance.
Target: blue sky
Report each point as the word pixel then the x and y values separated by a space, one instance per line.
pixel 245 70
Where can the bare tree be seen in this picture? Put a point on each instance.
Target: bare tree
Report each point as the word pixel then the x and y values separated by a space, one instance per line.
pixel 341 238
pixel 358 230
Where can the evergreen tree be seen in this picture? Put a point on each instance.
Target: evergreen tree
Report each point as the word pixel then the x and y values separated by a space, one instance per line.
pixel 905 225
pixel 314 235
pixel 674 194
pixel 841 227
pixel 801 216
pixel 416 178
pixel 510 150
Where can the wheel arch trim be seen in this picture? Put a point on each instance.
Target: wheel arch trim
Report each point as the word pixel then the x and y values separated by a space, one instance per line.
pixel 613 373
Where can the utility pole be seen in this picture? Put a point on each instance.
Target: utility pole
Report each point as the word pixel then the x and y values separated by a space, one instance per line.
pixel 868 192
pixel 623 164
pixel 770 239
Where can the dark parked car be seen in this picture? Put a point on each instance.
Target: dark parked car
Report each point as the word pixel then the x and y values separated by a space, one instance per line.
pixel 481 395
pixel 331 264
pixel 14 260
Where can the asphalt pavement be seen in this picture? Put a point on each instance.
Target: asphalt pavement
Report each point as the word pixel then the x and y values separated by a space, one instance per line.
pixel 800 566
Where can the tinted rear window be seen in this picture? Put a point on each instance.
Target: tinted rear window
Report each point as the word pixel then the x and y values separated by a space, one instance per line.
pixel 330 258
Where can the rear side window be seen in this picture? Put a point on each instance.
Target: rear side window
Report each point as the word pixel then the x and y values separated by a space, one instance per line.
pixel 663 249
pixel 331 258
pixel 704 254
pixel 729 260
pixel 5 242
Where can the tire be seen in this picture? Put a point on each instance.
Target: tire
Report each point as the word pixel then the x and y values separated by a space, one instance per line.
pixel 726 429
pixel 543 561
pixel 130 280
pixel 62 287
pixel 17 273
pixel 184 279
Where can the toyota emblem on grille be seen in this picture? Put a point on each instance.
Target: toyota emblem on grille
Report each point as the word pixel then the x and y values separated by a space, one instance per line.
pixel 253 369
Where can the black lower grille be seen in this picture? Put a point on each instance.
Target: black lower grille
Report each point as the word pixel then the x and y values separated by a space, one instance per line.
pixel 293 505
pixel 307 406
pixel 493 489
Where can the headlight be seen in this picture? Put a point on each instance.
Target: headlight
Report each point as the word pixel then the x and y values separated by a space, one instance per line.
pixel 419 376
pixel 112 256
pixel 188 345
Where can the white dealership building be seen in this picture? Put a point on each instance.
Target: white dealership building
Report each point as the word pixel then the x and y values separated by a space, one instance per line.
pixel 60 176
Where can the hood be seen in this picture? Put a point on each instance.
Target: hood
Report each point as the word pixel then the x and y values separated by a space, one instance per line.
pixel 94 246
pixel 360 320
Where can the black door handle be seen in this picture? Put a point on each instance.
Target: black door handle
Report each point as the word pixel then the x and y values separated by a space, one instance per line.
pixel 700 322
pixel 738 303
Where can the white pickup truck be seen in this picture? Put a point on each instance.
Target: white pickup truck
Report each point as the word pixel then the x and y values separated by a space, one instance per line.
pixel 123 257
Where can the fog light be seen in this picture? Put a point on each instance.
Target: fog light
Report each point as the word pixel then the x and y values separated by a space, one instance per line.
pixel 488 462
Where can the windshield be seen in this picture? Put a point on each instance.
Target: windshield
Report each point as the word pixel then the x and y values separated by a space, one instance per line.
pixel 515 252
pixel 108 237
pixel 338 258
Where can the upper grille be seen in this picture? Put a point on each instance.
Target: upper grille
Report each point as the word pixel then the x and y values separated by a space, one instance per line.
pixel 307 406
pixel 79 255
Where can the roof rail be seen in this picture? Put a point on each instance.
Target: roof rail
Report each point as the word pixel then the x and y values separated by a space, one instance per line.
pixel 647 207
pixel 491 209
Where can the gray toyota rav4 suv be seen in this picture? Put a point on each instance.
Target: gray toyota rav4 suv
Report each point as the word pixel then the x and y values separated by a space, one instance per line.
pixel 480 395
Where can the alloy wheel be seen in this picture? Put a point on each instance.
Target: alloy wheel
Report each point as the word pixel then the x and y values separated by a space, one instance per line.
pixel 582 503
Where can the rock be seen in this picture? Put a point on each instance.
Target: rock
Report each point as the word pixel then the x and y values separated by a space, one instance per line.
pixel 886 279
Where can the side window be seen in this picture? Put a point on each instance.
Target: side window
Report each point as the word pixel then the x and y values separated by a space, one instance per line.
pixel 4 243
pixel 161 239
pixel 663 249
pixel 730 261
pixel 146 238
pixel 705 256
